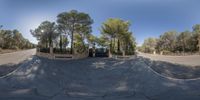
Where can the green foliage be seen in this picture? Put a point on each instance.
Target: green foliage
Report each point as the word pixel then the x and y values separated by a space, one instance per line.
pixel 91 39
pixel 196 31
pixel 167 41
pixel 184 42
pixel 117 33
pixel 149 45
pixel 61 42
pixel 80 44
pixel 45 33
pixel 172 42
pixel 102 41
pixel 14 40
pixel 74 22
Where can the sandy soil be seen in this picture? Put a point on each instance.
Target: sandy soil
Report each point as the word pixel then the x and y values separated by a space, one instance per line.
pixel 2 51
pixel 16 57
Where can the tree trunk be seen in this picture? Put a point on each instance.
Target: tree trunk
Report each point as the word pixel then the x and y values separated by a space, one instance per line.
pixel 126 47
pixel 114 45
pixel 111 45
pixel 118 46
pixel 50 41
pixel 72 38
pixel 72 42
pixel 46 44
pixel 61 43
pixel 183 47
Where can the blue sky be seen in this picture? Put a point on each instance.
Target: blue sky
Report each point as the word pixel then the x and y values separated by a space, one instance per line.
pixel 149 18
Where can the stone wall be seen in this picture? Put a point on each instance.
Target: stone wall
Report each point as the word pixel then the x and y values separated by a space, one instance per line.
pixel 62 56
pixel 45 55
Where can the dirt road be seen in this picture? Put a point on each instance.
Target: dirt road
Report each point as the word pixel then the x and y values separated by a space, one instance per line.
pixel 16 57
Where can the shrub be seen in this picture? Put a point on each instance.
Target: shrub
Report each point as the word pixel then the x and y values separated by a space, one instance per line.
pixel 63 51
pixel 118 53
pixel 130 53
pixel 15 48
pixel 165 52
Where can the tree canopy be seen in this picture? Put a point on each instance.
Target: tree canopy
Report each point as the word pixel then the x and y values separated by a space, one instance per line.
pixel 13 39
pixel 117 33
pixel 75 22
pixel 173 42
pixel 46 33
pixel 149 45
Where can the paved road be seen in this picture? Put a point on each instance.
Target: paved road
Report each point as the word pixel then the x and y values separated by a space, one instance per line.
pixel 193 60
pixel 94 79
pixel 16 57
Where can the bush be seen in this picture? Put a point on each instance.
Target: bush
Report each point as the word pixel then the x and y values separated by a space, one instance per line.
pixel 130 53
pixel 14 48
pixel 118 53
pixel 165 52
pixel 63 51
pixel 80 48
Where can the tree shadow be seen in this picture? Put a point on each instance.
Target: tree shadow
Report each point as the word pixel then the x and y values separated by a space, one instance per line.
pixel 7 69
pixel 174 70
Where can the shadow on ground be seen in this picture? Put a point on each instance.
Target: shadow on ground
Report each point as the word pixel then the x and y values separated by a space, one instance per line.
pixel 174 70
pixel 7 69
pixel 93 79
